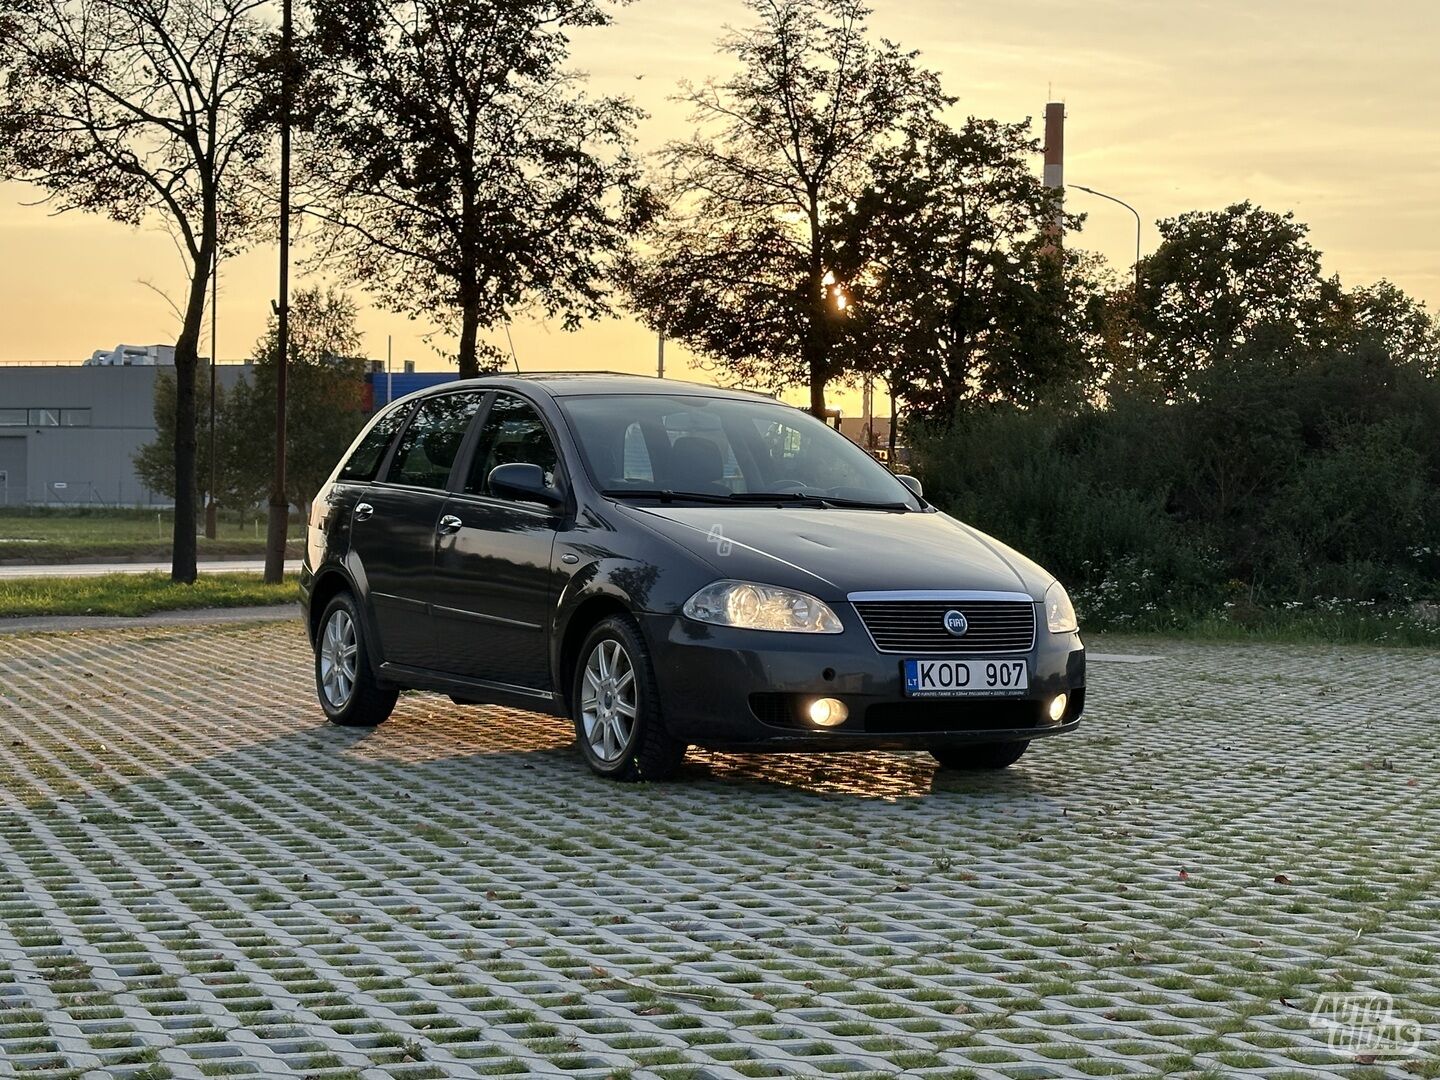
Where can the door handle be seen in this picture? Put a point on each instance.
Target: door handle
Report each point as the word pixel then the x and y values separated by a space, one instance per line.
pixel 363 511
pixel 449 524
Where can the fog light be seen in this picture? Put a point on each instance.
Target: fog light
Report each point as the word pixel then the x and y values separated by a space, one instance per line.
pixel 828 712
pixel 1057 707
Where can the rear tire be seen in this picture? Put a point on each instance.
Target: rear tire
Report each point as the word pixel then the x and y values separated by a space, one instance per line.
pixel 974 756
pixel 345 679
pixel 615 703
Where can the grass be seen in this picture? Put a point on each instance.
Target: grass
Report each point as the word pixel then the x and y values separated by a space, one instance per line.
pixel 137 594
pixel 1350 624
pixel 46 535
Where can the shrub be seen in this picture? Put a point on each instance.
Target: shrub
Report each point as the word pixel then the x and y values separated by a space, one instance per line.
pixel 1278 484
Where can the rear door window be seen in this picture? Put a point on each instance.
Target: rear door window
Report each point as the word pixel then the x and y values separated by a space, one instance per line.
pixel 427 450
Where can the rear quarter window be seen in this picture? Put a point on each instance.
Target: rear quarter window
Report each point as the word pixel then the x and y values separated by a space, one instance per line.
pixel 365 459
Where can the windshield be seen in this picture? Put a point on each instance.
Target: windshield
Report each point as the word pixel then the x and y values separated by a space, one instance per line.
pixel 728 448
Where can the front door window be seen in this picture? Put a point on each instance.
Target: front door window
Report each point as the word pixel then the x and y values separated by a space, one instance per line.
pixel 513 432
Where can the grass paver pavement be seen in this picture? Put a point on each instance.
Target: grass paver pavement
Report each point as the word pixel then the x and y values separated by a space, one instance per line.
pixel 200 877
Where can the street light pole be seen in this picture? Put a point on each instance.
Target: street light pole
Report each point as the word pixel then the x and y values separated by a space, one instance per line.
pixel 1132 210
pixel 211 522
pixel 278 525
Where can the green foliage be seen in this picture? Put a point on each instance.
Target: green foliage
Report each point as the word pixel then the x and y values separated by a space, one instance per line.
pixel 155 462
pixel 959 293
pixel 325 400
pixel 1270 485
pixel 325 408
pixel 742 258
pixel 455 167
pixel 1218 282
pixel 1243 284
pixel 140 110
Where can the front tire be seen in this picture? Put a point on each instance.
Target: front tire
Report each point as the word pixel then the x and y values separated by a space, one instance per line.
pixel 615 703
pixel 975 756
pixel 345 679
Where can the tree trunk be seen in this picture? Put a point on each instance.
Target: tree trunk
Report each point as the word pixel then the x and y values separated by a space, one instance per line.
pixel 815 348
pixel 469 333
pixel 182 552
pixel 816 352
pixel 894 421
pixel 817 389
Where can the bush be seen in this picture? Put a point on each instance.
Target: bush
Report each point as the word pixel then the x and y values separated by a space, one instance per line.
pixel 1275 486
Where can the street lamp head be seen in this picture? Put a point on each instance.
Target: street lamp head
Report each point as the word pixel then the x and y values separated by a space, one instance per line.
pixel 1138 225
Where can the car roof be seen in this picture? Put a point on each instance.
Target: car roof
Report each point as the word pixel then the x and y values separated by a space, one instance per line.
pixel 561 384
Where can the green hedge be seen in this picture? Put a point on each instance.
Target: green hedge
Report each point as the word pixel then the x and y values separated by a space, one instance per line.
pixel 1275 488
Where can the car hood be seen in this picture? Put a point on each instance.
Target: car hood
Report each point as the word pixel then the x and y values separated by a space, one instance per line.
pixel 831 553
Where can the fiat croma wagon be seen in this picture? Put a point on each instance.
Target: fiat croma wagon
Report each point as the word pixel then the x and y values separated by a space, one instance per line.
pixel 672 565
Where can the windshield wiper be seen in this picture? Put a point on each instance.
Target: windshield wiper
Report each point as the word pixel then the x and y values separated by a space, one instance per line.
pixel 755 497
pixel 812 499
pixel 862 504
pixel 666 495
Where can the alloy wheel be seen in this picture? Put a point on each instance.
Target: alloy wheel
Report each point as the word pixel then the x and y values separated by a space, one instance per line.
pixel 339 652
pixel 607 703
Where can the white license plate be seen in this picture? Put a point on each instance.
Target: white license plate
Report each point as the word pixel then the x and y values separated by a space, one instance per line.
pixel 963 678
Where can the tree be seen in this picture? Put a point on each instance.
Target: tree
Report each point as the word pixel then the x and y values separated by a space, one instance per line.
pixel 456 169
pixel 139 109
pixel 155 462
pixel 1243 285
pixel 1220 282
pixel 1381 317
pixel 325 399
pixel 741 265
pixel 960 293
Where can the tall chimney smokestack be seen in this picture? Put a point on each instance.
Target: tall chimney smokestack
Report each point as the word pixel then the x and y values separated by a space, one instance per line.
pixel 1055 161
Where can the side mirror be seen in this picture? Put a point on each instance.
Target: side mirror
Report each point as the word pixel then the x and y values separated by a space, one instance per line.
pixel 916 488
pixel 523 482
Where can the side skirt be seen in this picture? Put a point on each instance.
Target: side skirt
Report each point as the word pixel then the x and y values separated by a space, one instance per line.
pixel 478 691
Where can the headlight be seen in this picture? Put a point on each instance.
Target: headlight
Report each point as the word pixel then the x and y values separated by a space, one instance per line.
pixel 761 607
pixel 1059 612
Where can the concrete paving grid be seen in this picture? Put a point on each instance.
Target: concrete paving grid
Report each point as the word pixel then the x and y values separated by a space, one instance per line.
pixel 199 876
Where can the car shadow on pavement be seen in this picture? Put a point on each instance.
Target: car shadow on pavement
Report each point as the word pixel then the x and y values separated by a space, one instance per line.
pixel 428 728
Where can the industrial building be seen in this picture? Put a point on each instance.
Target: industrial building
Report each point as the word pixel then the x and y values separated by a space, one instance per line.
pixel 69 432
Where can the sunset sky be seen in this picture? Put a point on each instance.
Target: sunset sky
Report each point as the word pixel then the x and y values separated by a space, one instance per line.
pixel 1322 107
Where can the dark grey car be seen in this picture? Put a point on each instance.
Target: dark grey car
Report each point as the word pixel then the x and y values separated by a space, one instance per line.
pixel 671 565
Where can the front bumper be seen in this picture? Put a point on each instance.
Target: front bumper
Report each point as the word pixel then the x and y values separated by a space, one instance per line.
pixel 726 688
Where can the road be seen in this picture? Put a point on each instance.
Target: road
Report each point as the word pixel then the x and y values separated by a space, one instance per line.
pixel 224 566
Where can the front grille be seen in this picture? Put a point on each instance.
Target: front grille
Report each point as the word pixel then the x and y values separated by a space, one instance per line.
pixel 894 717
pixel 917 627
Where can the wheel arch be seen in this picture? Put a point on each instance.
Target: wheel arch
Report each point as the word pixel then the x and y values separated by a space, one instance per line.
pixel 330 582
pixel 588 612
